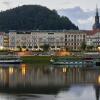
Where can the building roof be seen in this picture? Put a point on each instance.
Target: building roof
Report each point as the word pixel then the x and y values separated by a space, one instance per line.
pixel 92 32
pixel 2 33
pixel 63 31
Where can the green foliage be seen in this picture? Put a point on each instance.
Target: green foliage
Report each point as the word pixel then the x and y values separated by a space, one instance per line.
pixel 30 47
pixel 35 46
pixel 19 47
pixel 83 46
pixel 36 59
pixel 46 47
pixel 89 48
pixel 33 17
pixel 23 46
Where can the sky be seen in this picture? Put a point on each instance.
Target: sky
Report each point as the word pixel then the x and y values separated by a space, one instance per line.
pixel 52 4
pixel 80 12
pixel 83 19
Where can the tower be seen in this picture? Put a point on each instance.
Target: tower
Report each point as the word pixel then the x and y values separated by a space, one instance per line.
pixel 97 16
pixel 96 24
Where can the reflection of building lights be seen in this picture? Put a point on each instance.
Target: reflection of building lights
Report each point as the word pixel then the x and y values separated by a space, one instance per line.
pixel 0 70
pixel 78 70
pixel 11 70
pixel 64 70
pixel 23 69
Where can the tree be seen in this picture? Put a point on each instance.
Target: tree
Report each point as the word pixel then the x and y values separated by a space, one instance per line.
pixel 27 17
pixel 46 47
pixel 30 47
pixel 35 46
pixel 67 48
pixel 83 46
pixel 90 47
pixel 23 46
pixel 19 47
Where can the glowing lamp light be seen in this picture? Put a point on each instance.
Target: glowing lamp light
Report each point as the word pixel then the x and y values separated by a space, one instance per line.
pixel 1 47
pixel 99 48
pixel 23 49
pixel 99 79
pixel 63 52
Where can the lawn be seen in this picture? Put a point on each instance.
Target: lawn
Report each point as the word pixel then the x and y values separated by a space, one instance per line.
pixel 36 59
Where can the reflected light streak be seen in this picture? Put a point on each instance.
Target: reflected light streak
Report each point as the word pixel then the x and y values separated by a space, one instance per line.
pixel 99 79
pixel 23 69
pixel 11 70
pixel 64 70
pixel 1 70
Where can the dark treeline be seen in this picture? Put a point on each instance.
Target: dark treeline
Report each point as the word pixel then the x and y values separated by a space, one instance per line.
pixel 33 17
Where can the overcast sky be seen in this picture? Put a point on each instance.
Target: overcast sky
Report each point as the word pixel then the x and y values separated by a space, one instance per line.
pixel 52 4
pixel 81 12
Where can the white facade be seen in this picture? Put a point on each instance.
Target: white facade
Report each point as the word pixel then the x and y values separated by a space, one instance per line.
pixel 1 39
pixel 36 38
pixel 93 39
pixel 55 39
pixel 74 39
pixel 22 39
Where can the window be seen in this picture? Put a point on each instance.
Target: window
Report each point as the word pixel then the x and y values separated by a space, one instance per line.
pixel 51 33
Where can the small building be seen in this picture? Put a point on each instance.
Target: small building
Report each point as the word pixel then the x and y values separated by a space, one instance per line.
pixel 74 39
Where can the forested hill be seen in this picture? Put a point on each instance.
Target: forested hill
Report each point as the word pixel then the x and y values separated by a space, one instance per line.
pixel 33 17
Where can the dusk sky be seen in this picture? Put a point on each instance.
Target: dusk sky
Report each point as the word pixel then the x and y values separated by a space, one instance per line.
pixel 80 12
pixel 52 4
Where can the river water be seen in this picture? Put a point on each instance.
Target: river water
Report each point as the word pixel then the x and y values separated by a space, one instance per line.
pixel 48 82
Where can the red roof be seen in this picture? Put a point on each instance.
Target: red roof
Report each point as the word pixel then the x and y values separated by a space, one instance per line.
pixel 1 33
pixel 92 32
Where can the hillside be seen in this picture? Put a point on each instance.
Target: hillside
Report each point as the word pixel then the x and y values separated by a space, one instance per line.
pixel 33 17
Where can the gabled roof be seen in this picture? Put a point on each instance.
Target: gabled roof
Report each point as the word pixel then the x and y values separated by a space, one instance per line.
pixel 1 33
pixel 92 32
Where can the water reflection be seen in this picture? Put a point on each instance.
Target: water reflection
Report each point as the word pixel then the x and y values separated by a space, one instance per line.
pixel 36 75
pixel 74 92
pixel 78 93
pixel 56 82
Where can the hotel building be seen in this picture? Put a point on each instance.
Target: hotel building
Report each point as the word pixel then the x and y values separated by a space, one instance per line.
pixel 35 39
pixel 74 39
pixel 55 39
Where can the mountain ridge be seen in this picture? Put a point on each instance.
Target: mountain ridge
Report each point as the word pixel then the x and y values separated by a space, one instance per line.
pixel 33 17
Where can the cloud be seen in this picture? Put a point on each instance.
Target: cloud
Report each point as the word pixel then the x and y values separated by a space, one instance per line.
pixel 6 3
pixel 86 21
pixel 83 19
